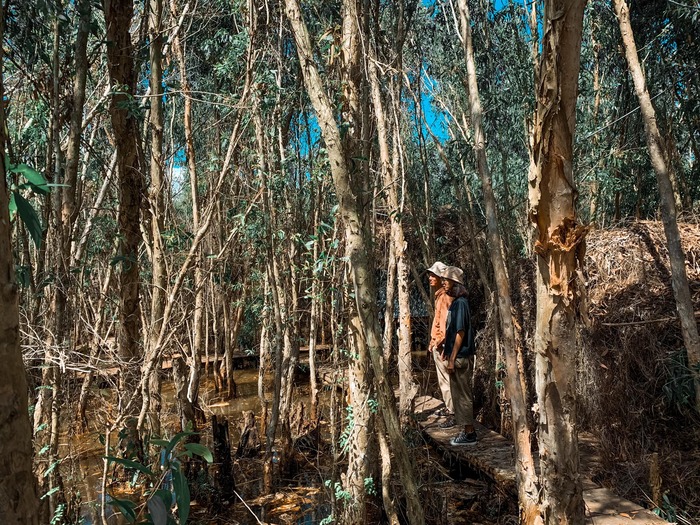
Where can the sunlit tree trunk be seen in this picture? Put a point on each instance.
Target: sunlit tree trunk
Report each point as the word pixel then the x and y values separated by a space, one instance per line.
pixel 314 316
pixel 408 388
pixel 195 357
pixel 655 144
pixel 18 499
pixel 358 444
pixel 528 490
pixel 559 249
pixel 357 251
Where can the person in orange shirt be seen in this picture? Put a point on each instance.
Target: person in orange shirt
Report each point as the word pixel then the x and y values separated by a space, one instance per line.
pixel 437 339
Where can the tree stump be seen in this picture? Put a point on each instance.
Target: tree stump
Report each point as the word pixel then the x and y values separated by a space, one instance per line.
pixel 224 480
pixel 250 439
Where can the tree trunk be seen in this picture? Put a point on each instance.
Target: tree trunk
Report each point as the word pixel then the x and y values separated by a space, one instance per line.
pixel 18 498
pixel 559 249
pixel 679 279
pixel 195 357
pixel 122 74
pixel 157 191
pixel 314 315
pixel 232 344
pixel 528 490
pixel 408 388
pixel 357 251
pixel 98 339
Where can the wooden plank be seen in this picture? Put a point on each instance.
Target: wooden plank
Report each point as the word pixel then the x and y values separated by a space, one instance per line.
pixel 319 348
pixel 494 456
pixel 604 507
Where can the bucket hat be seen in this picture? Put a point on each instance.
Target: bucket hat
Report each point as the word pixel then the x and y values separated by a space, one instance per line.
pixel 438 268
pixel 453 274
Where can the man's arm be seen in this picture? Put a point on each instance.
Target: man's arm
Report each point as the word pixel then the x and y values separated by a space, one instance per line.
pixel 459 337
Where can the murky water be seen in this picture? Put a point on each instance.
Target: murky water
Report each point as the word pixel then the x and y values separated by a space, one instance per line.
pixel 301 502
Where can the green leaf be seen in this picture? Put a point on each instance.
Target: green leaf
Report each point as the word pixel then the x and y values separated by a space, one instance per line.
pixel 159 442
pixel 12 205
pixel 176 439
pixel 52 491
pixel 158 511
pixel 52 467
pixel 126 507
pixel 29 217
pixel 130 464
pixel 200 450
pixel 37 180
pixel 182 495
pixel 166 496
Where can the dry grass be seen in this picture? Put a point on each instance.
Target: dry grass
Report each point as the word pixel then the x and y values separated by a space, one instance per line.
pixel 633 382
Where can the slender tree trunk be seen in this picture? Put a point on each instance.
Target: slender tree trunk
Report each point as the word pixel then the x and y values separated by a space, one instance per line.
pixel 122 74
pixel 679 279
pixel 198 340
pixel 277 349
pixel 314 316
pixel 389 324
pixel 559 248
pixel 68 212
pixel 157 191
pixel 233 342
pixel 594 186
pixel 357 250
pixel 408 388
pixel 232 337
pixel 48 406
pixel 52 240
pixel 528 490
pixel 18 499
pixel 97 344
pixel 287 281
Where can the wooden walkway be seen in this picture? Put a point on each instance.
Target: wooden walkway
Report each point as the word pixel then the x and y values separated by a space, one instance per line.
pixel 493 455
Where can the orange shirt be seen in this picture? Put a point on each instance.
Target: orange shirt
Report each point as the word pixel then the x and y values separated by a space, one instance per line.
pixel 442 304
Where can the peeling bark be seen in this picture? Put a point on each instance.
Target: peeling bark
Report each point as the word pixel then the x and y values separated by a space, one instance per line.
pixel 357 243
pixel 559 247
pixel 528 489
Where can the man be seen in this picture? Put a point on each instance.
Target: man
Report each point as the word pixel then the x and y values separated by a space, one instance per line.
pixel 459 351
pixel 437 339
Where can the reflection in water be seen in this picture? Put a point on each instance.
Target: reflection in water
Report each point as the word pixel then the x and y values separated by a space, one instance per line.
pixel 303 502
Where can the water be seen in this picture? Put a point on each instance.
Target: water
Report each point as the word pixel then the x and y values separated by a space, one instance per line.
pixel 301 503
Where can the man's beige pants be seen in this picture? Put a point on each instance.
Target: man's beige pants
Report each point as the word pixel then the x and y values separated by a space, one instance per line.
pixel 461 387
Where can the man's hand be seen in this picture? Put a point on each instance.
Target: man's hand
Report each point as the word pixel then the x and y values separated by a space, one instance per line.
pixel 451 366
